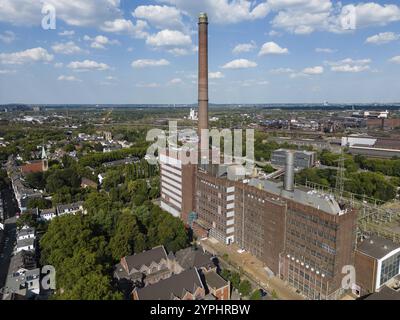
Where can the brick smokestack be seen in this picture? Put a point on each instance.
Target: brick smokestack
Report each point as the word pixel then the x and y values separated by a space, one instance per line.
pixel 203 72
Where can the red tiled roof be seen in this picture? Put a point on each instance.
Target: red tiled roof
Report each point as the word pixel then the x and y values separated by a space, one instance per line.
pixel 33 167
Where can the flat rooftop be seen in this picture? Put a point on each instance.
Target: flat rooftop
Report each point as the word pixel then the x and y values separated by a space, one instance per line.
pixel 377 247
pixel 309 197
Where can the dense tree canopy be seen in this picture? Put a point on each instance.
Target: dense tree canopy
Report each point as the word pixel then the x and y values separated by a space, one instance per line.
pixel 83 249
pixel 388 167
pixel 368 184
pixel 39 203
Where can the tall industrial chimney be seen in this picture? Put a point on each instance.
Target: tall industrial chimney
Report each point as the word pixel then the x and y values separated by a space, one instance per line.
pixel 289 174
pixel 203 72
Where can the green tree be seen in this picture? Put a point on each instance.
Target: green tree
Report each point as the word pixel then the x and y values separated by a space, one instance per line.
pixel 128 237
pixel 226 274
pixel 91 286
pixel 27 219
pixel 256 295
pixel 36 180
pixel 69 147
pixel 80 258
pixel 245 288
pixel 39 203
pixel 235 280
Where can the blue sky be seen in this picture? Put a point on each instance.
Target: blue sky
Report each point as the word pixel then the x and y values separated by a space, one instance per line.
pixel 269 51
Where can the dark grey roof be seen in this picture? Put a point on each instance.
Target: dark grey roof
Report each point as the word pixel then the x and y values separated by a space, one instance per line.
pixel 26 232
pixel 214 280
pixel 17 282
pixel 377 247
pixel 120 273
pixel 70 207
pixel 146 258
pixel 385 293
pixel 32 211
pixel 22 260
pixel 194 258
pixel 25 242
pixel 175 286
pixel 48 211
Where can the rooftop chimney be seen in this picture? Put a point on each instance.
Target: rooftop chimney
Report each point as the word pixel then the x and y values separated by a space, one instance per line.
pixel 203 72
pixel 289 173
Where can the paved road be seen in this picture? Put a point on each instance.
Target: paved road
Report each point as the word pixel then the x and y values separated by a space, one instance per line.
pixel 254 283
pixel 6 249
pixel 8 241
pixel 253 267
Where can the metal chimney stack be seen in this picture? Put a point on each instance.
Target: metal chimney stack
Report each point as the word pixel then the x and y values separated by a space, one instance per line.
pixel 289 174
pixel 203 72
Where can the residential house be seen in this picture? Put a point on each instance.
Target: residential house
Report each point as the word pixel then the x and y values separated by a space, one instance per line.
pixel 72 208
pixel 25 284
pixel 186 285
pixel 26 245
pixel 23 193
pixel 216 286
pixel 155 268
pixel 48 214
pixel 26 233
pixel 144 268
pixel 189 258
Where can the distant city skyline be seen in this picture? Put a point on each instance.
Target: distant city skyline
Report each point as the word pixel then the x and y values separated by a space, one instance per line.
pixel 145 52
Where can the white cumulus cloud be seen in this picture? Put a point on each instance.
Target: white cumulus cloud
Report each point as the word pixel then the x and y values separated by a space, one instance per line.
pixel 27 56
pixel 66 33
pixel 100 41
pixel 144 63
pixel 383 38
pixel 272 48
pixel 159 16
pixel 313 70
pixel 88 65
pixel 395 59
pixel 67 48
pixel 244 47
pixel 223 11
pixel 350 65
pixel 169 38
pixel 123 26
pixel 216 75
pixel 325 50
pixel 7 71
pixel 72 12
pixel 68 78
pixel 281 71
pixel 371 13
pixel 240 64
pixel 175 81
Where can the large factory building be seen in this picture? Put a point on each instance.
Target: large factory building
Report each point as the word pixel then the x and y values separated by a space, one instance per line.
pixel 302 236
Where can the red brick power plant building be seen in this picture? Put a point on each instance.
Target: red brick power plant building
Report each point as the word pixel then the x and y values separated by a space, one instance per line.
pixel 302 236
